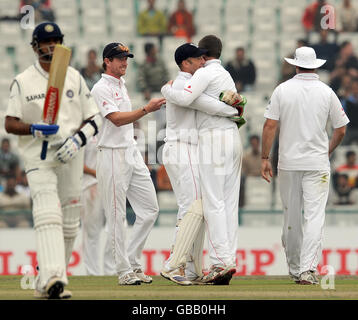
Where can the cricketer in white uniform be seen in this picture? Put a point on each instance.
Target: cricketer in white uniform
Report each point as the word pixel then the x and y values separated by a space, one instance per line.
pixel 220 154
pixel 180 156
pixel 302 106
pixel 55 186
pixel 93 217
pixel 121 171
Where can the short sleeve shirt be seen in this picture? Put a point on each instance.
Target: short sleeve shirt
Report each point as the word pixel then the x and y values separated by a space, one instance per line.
pixel 303 106
pixel 26 102
pixel 111 95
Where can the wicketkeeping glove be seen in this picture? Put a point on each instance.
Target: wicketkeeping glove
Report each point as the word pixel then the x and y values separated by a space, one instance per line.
pixel 43 131
pixel 240 121
pixel 234 99
pixel 69 149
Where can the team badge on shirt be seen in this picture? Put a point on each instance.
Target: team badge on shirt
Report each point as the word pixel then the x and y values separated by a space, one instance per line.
pixel 188 89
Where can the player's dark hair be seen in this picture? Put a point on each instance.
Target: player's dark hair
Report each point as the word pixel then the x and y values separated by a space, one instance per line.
pixel 104 66
pixel 305 69
pixel 213 44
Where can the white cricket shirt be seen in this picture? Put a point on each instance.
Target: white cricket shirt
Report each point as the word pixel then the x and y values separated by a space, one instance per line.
pixel 111 95
pixel 181 120
pixel 211 80
pixel 303 105
pixel 27 97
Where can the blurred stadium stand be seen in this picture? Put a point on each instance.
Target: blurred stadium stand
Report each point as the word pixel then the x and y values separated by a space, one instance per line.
pixel 267 29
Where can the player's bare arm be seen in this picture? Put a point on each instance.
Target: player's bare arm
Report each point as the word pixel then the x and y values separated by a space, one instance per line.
pixel 123 118
pixel 268 135
pixel 336 139
pixel 89 171
pixel 15 126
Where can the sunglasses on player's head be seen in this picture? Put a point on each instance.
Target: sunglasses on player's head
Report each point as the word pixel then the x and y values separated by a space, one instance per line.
pixel 117 49
pixel 121 48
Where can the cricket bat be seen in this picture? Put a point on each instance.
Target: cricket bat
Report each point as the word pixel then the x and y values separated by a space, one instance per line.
pixel 56 80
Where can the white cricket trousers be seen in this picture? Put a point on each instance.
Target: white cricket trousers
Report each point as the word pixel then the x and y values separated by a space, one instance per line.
pixel 93 220
pixel 181 163
pixel 220 158
pixel 122 174
pixel 302 233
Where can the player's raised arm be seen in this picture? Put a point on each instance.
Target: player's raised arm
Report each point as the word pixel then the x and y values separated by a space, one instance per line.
pixel 212 106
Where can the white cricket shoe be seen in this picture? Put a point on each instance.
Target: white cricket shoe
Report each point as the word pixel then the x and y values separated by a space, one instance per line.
pixel 129 279
pixel 177 276
pixel 197 280
pixel 308 277
pixel 295 278
pixel 217 273
pixel 142 277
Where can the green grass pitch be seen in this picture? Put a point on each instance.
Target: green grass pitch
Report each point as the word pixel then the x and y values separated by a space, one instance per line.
pixel 245 288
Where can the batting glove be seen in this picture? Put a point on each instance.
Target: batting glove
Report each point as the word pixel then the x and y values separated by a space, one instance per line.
pixel 43 131
pixel 240 121
pixel 234 99
pixel 69 149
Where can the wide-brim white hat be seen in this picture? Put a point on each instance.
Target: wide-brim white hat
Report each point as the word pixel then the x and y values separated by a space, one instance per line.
pixel 305 57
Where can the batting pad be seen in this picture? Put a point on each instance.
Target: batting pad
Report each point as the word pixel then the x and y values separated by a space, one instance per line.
pixel 49 236
pixel 197 254
pixel 187 234
pixel 71 225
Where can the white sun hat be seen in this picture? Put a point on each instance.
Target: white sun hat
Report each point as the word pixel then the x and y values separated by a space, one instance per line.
pixel 305 57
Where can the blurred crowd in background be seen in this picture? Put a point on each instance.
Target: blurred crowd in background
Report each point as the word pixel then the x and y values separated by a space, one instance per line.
pixel 341 73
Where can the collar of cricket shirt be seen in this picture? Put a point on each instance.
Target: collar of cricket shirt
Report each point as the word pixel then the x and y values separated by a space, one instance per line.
pixel 307 76
pixel 40 70
pixel 114 80
pixel 212 61
pixel 186 75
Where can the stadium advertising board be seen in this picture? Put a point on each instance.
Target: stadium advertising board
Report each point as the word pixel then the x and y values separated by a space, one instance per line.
pixel 259 252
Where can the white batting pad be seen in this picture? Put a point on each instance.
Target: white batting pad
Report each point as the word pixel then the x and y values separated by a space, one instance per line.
pixel 187 233
pixel 198 247
pixel 49 237
pixel 71 225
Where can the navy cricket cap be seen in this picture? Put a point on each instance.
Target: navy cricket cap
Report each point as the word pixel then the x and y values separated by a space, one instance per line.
pixel 46 30
pixel 188 50
pixel 117 50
